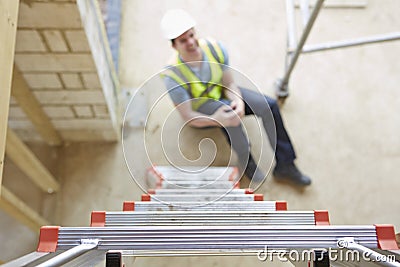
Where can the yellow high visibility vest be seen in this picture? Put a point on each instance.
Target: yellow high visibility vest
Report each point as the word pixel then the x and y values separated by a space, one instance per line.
pixel 200 91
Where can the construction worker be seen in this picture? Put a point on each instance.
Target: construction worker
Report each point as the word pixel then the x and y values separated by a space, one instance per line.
pixel 201 85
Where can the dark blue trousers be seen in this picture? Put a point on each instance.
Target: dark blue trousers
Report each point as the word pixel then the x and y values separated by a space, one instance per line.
pixel 268 110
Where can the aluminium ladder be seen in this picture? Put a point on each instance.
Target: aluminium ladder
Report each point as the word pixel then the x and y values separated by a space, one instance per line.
pixel 216 218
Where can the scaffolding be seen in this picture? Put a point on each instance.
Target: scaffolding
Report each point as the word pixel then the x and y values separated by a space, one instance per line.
pixel 295 49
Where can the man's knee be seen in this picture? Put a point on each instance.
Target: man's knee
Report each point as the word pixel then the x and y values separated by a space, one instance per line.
pixel 237 139
pixel 273 104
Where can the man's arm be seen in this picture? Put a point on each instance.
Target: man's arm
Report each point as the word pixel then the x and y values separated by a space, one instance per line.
pixel 232 92
pixel 222 117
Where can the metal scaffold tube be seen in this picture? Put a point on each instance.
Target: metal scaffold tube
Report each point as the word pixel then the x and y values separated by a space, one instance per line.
pixel 291 24
pixel 305 11
pixel 355 42
pixel 282 84
pixel 294 51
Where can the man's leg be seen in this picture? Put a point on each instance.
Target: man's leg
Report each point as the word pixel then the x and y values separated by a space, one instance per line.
pixel 238 140
pixel 268 109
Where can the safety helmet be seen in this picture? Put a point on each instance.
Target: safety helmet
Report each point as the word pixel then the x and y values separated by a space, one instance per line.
pixel 175 22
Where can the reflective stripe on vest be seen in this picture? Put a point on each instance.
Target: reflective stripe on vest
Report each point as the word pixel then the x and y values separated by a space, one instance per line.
pixel 200 91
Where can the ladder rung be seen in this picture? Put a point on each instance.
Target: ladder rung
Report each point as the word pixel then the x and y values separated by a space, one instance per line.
pixel 196 178
pixel 209 217
pixel 201 206
pixel 215 237
pixel 205 198
pixel 196 184
pixel 157 174
pixel 193 170
pixel 199 191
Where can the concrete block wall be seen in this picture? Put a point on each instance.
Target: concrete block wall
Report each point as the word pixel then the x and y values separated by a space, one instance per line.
pixel 55 58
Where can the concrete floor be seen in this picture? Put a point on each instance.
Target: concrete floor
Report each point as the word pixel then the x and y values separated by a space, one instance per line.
pixel 341 115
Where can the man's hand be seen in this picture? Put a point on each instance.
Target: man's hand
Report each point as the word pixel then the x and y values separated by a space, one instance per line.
pixel 226 116
pixel 238 107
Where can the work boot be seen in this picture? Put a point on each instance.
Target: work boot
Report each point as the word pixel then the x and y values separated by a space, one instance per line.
pixel 289 173
pixel 252 171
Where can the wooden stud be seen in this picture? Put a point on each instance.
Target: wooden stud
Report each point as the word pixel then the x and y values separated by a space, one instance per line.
pixel 27 162
pixel 8 29
pixel 16 208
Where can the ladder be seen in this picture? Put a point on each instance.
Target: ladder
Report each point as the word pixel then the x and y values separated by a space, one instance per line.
pixel 216 217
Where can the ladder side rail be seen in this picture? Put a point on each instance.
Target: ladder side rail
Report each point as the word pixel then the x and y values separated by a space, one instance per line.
pixel 72 253
pixel 367 253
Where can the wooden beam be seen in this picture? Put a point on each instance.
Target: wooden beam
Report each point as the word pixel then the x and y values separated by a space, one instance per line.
pixel 27 162
pixel 8 29
pixel 33 110
pixel 16 208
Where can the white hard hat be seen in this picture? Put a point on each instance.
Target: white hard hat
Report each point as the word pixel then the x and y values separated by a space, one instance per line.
pixel 175 22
